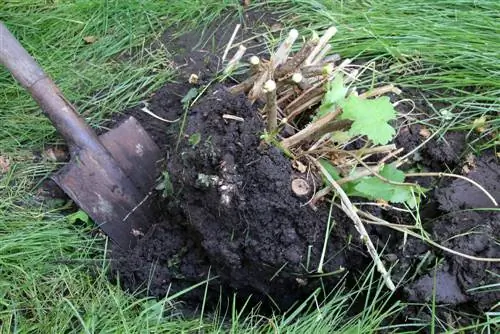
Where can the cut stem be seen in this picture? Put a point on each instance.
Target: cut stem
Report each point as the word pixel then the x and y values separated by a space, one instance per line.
pixel 297 59
pixel 321 44
pixel 310 130
pixel 284 49
pixel 231 40
pixel 271 108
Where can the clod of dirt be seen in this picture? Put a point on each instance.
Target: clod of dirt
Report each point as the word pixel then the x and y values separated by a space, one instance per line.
pixel 442 286
pixel 461 194
pixel 437 154
pixel 232 209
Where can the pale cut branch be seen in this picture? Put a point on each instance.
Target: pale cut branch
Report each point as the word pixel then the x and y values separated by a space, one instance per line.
pixel 310 130
pixel 351 211
pixel 271 109
pixel 281 55
pixel 297 59
pixel 231 40
pixel 321 44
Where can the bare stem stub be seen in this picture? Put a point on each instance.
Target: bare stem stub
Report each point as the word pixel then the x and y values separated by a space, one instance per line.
pixel 284 49
pixel 271 108
pixel 254 64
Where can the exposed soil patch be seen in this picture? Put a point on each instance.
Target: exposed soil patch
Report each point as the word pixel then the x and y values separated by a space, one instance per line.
pixel 233 206
pixel 231 216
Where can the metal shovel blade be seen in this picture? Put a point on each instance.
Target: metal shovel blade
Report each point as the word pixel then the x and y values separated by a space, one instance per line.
pixel 123 214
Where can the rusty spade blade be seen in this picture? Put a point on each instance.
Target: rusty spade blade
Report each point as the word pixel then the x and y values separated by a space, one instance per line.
pixel 110 176
pixel 121 212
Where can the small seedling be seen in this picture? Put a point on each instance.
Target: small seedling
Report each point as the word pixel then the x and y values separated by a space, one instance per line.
pixel 165 184
pixel 194 139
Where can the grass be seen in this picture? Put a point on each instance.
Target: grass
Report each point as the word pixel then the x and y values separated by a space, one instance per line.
pixel 52 274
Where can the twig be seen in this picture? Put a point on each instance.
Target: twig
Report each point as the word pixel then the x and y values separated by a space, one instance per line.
pixel 233 117
pixel 228 46
pixel 244 86
pixel 492 199
pixel 270 108
pixel 321 44
pixel 262 77
pixel 351 211
pixel 380 91
pixel 297 59
pixel 309 130
pixel 319 57
pixel 316 70
pixel 308 104
pixel 283 51
pixel 236 58
pixel 305 94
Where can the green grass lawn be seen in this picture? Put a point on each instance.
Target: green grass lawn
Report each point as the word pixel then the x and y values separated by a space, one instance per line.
pixel 52 274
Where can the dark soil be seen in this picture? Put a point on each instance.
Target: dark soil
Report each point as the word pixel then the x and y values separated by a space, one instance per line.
pixel 232 214
pixel 231 217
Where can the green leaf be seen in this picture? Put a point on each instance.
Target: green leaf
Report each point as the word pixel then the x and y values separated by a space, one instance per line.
pixel 190 96
pixel 335 93
pixel 194 139
pixel 370 117
pixel 330 169
pixel 374 188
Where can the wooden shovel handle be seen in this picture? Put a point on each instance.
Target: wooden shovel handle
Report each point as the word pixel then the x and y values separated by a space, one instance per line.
pixel 48 96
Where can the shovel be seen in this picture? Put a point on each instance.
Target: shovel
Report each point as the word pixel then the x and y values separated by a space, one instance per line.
pixel 108 176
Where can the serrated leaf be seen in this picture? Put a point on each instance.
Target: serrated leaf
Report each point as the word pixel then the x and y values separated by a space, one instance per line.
pixel 374 188
pixel 335 93
pixel 370 117
pixel 392 173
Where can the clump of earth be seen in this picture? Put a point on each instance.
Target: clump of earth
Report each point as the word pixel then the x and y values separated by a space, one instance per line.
pixel 228 214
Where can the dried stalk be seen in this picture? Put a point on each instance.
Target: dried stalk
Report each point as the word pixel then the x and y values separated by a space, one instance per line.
pixel 236 58
pixel 319 57
pixel 406 230
pixel 271 109
pixel 297 59
pixel 492 199
pixel 321 44
pixel 244 86
pixel 231 40
pixel 351 211
pixel 380 91
pixel 310 130
pixel 284 49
